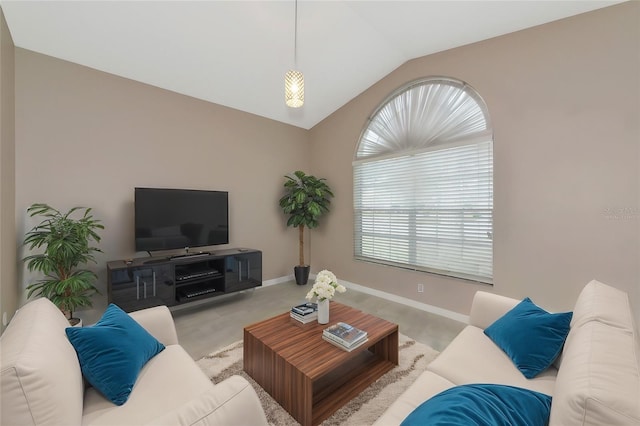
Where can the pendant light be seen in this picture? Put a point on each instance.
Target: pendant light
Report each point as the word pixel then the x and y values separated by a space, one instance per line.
pixel 294 80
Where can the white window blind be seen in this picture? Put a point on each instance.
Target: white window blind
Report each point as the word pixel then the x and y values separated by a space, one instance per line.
pixel 423 182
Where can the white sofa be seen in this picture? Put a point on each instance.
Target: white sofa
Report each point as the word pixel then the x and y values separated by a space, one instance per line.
pixel 595 381
pixel 42 382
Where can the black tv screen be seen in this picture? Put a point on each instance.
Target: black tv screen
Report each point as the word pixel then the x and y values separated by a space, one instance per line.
pixel 167 219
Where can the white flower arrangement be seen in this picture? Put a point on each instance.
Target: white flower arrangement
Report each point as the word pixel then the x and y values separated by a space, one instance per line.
pixel 325 286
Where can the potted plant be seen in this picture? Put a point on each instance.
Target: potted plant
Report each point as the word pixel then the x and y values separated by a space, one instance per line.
pixel 66 242
pixel 306 199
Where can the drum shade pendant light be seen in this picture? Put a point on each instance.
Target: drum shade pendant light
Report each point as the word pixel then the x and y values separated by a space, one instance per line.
pixel 294 80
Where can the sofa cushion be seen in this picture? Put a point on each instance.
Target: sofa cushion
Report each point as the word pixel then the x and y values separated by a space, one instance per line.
pixel 482 404
pixel 603 303
pixel 41 378
pixel 426 385
pixel 488 307
pixel 473 358
pixel 168 381
pixel 112 352
pixel 532 337
pixel 230 403
pixel 599 381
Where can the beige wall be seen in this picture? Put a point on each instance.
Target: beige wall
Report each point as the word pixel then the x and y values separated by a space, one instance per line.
pixel 8 266
pixel 88 138
pixel 564 102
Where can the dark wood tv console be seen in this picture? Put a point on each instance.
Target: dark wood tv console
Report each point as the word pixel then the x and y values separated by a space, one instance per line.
pixel 151 281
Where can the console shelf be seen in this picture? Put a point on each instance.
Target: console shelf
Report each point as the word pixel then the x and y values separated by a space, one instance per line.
pixel 151 281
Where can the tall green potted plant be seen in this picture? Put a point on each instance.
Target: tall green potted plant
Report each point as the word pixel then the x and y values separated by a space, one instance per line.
pixel 67 246
pixel 305 200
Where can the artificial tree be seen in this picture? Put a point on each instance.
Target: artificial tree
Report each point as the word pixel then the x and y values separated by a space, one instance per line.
pixel 306 199
pixel 67 245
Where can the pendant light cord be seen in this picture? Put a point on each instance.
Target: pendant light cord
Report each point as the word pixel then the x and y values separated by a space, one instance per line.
pixel 295 36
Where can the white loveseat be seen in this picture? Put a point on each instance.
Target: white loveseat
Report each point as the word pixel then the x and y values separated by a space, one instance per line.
pixel 42 382
pixel 595 381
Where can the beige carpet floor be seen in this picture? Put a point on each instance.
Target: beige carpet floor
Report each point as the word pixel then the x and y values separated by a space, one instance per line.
pixel 362 410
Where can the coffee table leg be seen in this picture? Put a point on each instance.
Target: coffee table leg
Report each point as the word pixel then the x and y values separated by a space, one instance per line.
pixel 387 348
pixel 294 391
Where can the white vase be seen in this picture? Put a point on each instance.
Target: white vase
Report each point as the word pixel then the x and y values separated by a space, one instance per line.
pixel 323 311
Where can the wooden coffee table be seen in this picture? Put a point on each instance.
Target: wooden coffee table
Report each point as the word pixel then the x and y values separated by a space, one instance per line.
pixel 309 377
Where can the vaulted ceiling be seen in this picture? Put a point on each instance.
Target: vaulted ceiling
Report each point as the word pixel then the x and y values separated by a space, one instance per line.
pixel 235 53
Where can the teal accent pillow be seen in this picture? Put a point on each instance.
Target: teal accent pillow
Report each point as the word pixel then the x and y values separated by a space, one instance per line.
pixel 530 336
pixel 482 404
pixel 112 352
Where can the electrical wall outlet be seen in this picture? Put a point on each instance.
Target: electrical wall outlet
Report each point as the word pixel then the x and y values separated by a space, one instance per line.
pixel 4 319
pixel 420 288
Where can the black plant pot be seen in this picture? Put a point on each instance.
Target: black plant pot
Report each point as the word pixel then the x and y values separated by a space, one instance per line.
pixel 302 274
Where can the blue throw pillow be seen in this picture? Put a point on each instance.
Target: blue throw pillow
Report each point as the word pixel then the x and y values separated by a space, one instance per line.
pixel 530 336
pixel 482 404
pixel 112 352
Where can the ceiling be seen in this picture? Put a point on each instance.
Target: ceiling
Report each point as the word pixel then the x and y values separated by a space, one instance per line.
pixel 235 53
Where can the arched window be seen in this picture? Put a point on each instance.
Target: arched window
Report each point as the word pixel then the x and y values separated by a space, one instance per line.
pixel 423 181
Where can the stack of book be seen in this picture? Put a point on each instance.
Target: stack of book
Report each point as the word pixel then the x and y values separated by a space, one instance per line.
pixel 344 336
pixel 305 313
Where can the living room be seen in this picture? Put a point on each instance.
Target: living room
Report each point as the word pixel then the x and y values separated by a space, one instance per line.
pixel 564 102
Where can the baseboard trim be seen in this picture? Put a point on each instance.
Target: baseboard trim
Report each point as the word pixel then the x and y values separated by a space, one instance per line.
pixel 383 295
pixel 408 302
pixel 279 280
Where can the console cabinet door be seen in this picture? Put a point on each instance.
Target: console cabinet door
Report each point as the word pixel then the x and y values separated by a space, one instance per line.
pixel 142 287
pixel 243 271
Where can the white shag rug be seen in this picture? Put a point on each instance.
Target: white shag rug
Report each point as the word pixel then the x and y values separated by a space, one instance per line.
pixel 362 410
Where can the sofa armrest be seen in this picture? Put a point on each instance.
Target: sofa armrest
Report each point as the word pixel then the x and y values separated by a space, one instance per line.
pixel 232 402
pixel 488 307
pixel 159 322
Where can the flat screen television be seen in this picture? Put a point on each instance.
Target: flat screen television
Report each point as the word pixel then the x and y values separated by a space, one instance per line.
pixel 167 219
